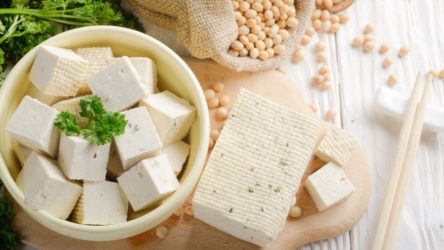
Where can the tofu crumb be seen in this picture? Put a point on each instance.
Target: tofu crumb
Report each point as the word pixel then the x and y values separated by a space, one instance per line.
pixel 295 212
pixel 161 232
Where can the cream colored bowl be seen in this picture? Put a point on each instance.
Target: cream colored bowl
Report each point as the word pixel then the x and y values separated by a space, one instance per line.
pixel 173 74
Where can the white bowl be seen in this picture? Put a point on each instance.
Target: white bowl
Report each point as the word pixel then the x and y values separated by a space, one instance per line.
pixel 173 75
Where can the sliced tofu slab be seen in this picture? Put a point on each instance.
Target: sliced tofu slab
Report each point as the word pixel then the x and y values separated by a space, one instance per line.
pixel 32 125
pixel 47 189
pixel 172 115
pixel 80 160
pixel 58 71
pixel 328 186
pixel 101 203
pixel 177 154
pixel 118 85
pixel 98 58
pixel 337 146
pixel 140 139
pixel 255 169
pixel 147 182
pixel 147 71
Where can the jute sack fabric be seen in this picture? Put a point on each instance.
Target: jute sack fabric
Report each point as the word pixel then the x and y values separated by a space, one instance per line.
pixel 208 27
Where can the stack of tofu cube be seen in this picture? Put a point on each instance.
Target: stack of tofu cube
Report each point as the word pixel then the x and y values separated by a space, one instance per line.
pixel 329 185
pixel 68 177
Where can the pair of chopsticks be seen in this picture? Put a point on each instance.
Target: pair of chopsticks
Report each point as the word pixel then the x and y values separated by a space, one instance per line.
pixel 398 183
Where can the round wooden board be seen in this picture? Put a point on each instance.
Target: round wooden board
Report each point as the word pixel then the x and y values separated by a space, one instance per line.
pixel 186 232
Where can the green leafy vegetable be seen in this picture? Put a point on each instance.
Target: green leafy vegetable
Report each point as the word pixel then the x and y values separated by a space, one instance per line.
pixel 102 126
pixel 67 123
pixel 9 239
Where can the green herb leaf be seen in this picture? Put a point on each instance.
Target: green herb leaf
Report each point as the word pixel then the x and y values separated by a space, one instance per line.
pixel 102 126
pixel 67 123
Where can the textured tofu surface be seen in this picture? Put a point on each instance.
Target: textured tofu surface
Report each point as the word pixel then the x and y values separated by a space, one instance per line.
pixel 72 106
pixel 98 58
pixel 118 85
pixel 32 126
pixel 172 115
pixel 58 71
pixel 101 203
pixel 147 182
pixel 328 186
pixel 177 154
pixel 140 139
pixel 337 146
pixel 80 160
pixel 255 169
pixel 46 188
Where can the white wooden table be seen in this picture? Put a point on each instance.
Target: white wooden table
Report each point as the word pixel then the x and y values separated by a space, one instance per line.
pixel 355 77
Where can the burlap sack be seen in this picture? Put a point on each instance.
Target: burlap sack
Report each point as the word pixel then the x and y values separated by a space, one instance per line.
pixel 208 27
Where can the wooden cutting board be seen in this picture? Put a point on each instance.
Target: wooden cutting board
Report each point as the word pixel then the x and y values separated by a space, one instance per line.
pixel 186 232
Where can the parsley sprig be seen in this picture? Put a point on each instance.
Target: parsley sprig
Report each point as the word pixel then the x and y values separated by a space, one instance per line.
pixel 102 126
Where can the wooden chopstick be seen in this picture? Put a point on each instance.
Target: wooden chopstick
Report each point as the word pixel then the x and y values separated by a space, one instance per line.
pixel 398 165
pixel 407 170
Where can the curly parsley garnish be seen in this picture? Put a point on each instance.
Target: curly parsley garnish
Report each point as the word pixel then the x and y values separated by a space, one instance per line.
pixel 102 126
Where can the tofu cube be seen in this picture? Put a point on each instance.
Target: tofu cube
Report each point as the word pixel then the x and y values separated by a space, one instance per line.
pixel 47 189
pixel 36 93
pixel 140 140
pixel 32 125
pixel 255 169
pixel 147 71
pixel 58 71
pixel 177 154
pixel 101 203
pixel 98 58
pixel 114 167
pixel 171 115
pixel 328 186
pixel 147 182
pixel 337 146
pixel 72 106
pixel 118 85
pixel 80 160
pixel 22 153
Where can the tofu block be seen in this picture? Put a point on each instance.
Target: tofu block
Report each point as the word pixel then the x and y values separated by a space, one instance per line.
pixel 101 203
pixel 36 93
pixel 47 189
pixel 98 58
pixel 337 146
pixel 147 71
pixel 72 106
pixel 58 71
pixel 114 166
pixel 177 154
pixel 80 160
pixel 255 169
pixel 22 153
pixel 140 140
pixel 172 116
pixel 32 126
pixel 147 182
pixel 118 85
pixel 328 186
